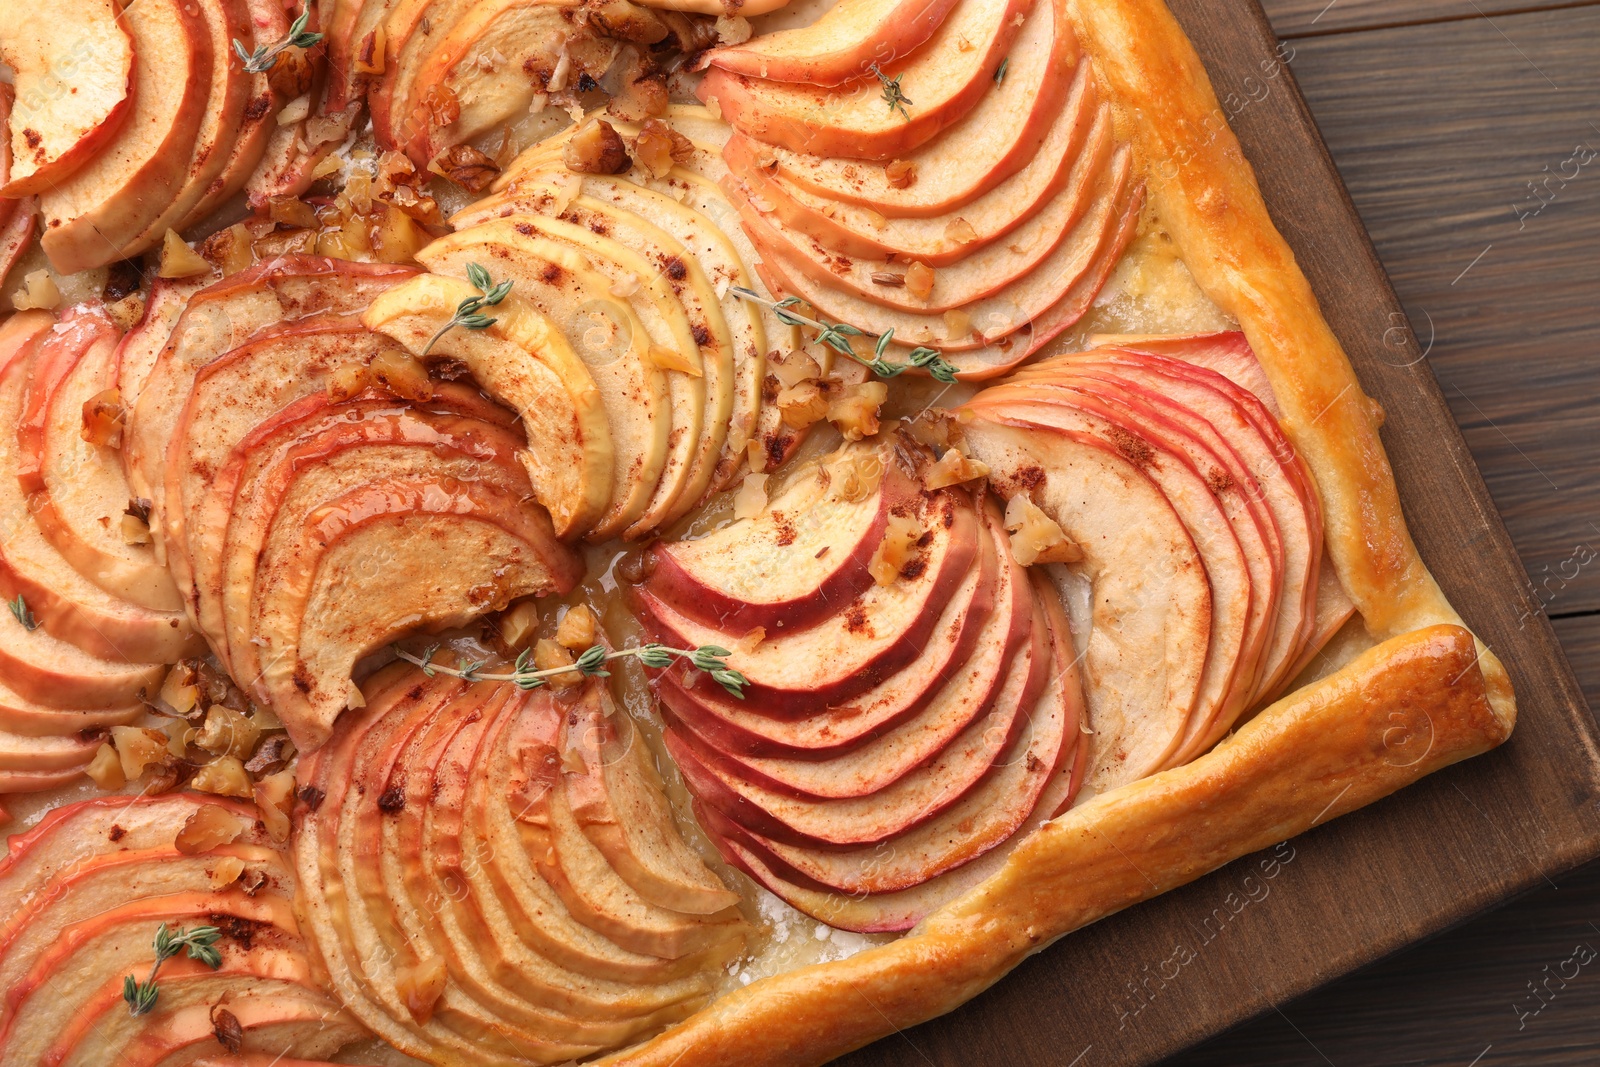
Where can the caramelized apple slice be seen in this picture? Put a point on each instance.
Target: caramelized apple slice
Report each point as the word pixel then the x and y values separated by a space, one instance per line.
pixel 76 93
pixel 802 558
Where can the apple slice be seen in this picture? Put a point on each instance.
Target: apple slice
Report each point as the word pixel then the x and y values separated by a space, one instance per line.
pixel 1228 353
pixel 1150 632
pixel 803 558
pixel 561 284
pixel 220 124
pixel 846 654
pixel 940 240
pixel 311 452
pixel 939 84
pixel 164 301
pixel 29 718
pixel 522 359
pixel 840 46
pixel 101 213
pixel 618 800
pixel 65 603
pixel 1184 470
pixel 269 1025
pixel 16 234
pixel 73 93
pixel 218 319
pixel 77 490
pixel 421 845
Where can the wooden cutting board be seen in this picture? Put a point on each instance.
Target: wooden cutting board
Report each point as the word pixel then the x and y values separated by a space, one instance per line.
pixel 1171 972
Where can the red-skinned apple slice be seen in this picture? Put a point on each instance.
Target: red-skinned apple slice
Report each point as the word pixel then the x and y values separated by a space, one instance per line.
pixel 1228 353
pixel 1237 490
pixel 940 240
pixel 940 83
pixel 297 476
pixel 223 115
pixel 218 319
pixel 67 605
pixel 840 46
pixel 803 558
pixel 136 354
pixel 100 213
pixel 16 234
pixel 75 91
pixel 77 490
pixel 1182 467
pixel 1151 630
pixel 874 636
pixel 304 1023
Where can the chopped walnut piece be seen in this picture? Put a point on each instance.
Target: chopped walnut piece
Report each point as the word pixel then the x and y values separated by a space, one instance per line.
pixel 659 146
pixel 803 404
pixel 953 468
pixel 901 174
pixel 103 416
pixel 274 752
pixel 178 689
pixel 627 21
pixel 228 733
pixel 900 537
pixel 919 280
pixel 1035 536
pixel 578 629
pixel 467 167
pixel 225 873
pixel 291 74
pixel 105 770
pixel 224 776
pixel 795 367
pixel 596 148
pixel 855 410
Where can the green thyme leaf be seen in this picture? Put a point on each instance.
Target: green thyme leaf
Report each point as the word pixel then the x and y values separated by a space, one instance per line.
pixel 20 612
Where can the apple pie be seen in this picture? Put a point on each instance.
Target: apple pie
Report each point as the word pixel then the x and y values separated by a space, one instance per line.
pixel 654 531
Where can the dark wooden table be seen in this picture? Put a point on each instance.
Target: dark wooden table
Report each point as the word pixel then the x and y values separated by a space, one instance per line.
pixel 1468 132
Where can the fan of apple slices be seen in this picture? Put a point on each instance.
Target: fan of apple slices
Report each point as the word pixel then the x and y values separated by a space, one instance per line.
pixel 913 698
pixel 968 194
pixel 89 889
pixel 495 876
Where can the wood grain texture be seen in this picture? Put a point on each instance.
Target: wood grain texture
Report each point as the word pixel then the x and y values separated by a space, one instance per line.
pixel 1438 131
pixel 1500 986
pixel 1295 18
pixel 1145 983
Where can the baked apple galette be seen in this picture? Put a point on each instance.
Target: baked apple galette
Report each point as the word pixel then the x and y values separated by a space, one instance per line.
pixel 538 530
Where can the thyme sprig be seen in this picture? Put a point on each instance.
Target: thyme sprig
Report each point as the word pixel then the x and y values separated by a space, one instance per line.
pixel 591 663
pixel 892 94
pixel 1000 72
pixel 199 942
pixel 266 56
pixel 836 336
pixel 469 313
pixel 20 612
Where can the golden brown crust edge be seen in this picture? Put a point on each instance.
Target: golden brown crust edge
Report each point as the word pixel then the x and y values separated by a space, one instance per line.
pixel 1320 752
